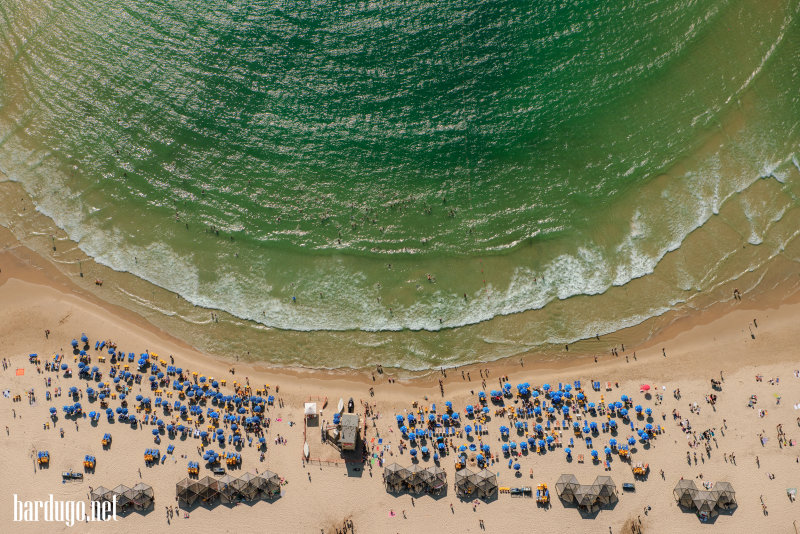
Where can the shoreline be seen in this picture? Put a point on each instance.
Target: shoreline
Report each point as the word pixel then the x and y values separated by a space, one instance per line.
pixel 697 348
pixel 16 261
pixel 413 352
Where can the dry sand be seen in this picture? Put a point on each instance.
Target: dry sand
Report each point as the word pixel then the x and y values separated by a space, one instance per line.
pixel 319 497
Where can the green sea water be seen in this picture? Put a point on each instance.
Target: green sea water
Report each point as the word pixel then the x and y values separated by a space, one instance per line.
pixel 400 166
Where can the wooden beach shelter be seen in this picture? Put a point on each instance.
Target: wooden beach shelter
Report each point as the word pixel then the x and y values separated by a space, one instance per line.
pixel 142 496
pixel 416 479
pixel 227 492
pixel 705 501
pixel 248 485
pixel 394 476
pixel 727 496
pixel 486 482
pixel 684 492
pixel 123 500
pixel 185 493
pixel 437 479
pixel 606 490
pixel 585 496
pixel 272 486
pixel 465 483
pixel 209 490
pixel 566 486
pixel 101 494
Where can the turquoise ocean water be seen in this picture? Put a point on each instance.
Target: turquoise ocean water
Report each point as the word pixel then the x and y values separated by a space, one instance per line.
pixel 394 166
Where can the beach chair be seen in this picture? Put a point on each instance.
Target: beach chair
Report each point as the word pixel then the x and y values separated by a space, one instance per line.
pixel 580 458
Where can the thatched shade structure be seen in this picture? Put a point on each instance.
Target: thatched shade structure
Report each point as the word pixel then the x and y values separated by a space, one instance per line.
pixel 101 494
pixel 416 478
pixel 566 486
pixel 249 485
pixel 272 484
pixel 209 491
pixel 486 481
pixel 606 489
pixel 122 493
pixel 685 492
pixel 465 482
pixel 437 478
pixel 705 501
pixel 187 491
pixel 394 476
pixel 227 492
pixel 143 496
pixel 727 496
pixel 585 495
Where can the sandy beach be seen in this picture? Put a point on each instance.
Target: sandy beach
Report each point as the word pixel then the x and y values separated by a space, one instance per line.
pixel 738 343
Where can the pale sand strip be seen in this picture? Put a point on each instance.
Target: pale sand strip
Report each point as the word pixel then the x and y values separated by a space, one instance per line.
pixel 37 299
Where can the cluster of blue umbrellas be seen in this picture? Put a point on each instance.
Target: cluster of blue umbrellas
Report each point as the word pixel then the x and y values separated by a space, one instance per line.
pixel 74 409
